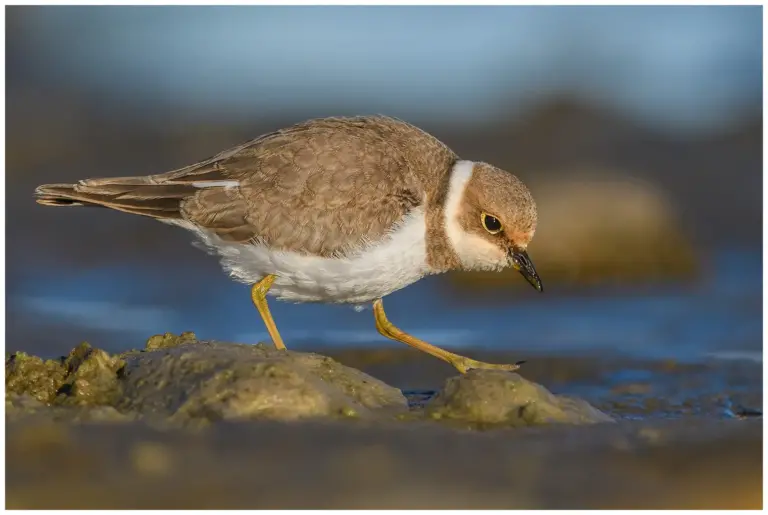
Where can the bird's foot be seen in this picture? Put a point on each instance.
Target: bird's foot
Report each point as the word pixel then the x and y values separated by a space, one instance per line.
pixel 464 365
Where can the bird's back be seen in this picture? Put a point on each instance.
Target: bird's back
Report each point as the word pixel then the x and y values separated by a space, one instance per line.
pixel 324 186
pixel 321 187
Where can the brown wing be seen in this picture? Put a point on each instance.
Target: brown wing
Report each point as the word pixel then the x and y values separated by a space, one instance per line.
pixel 321 187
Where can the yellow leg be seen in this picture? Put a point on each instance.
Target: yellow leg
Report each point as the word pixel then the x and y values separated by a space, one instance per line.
pixel 462 364
pixel 259 298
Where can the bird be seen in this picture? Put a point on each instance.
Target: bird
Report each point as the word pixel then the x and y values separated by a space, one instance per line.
pixel 343 210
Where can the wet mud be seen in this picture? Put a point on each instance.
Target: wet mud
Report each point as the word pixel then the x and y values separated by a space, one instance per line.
pixel 200 424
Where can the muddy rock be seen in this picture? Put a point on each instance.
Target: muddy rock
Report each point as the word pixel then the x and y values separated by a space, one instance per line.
pixel 180 380
pixel 28 409
pixel 31 376
pixel 162 341
pixel 494 397
pixel 92 377
pixel 216 381
pixel 87 376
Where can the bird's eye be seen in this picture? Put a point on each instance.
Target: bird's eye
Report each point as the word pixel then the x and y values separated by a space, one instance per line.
pixel 491 223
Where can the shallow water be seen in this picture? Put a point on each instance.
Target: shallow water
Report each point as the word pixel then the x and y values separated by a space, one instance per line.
pixel 719 317
pixel 679 368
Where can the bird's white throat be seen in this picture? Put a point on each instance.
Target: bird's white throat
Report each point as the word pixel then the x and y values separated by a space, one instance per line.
pixel 475 253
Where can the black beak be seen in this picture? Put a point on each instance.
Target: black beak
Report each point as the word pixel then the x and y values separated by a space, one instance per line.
pixel 523 264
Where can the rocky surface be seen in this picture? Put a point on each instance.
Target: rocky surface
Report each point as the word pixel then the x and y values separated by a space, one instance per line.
pixel 617 384
pixel 197 424
pixel 86 376
pixel 219 381
pixel 496 397
pixel 179 379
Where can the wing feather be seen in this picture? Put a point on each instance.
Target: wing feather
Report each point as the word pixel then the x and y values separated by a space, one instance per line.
pixel 325 186
pixel 322 189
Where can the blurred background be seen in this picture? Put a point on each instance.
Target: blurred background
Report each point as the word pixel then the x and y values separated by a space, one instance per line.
pixel 638 130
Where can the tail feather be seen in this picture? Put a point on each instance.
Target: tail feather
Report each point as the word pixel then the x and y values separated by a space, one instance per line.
pixel 157 201
pixel 56 195
pixel 130 192
pixel 158 196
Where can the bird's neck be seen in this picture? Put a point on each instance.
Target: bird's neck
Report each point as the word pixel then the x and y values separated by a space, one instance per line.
pixel 443 204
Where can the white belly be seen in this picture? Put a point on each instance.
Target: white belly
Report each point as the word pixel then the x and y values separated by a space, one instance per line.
pixel 376 270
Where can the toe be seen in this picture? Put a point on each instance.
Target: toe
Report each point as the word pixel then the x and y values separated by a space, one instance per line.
pixel 466 365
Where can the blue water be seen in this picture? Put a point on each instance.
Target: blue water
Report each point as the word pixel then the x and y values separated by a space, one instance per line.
pixel 718 316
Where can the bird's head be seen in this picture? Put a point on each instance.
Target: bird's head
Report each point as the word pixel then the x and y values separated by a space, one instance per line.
pixel 490 217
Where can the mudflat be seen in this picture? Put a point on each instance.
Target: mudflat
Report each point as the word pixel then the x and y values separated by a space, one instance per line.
pixel 184 423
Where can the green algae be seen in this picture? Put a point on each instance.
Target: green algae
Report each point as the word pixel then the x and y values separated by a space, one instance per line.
pixel 25 374
pixel 164 341
pixel 86 376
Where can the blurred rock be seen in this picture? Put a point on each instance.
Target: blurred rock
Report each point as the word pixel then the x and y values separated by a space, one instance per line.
pixel 598 226
pixel 26 408
pixel 16 404
pixel 493 397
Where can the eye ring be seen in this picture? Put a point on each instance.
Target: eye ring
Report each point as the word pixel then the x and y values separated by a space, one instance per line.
pixel 490 223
